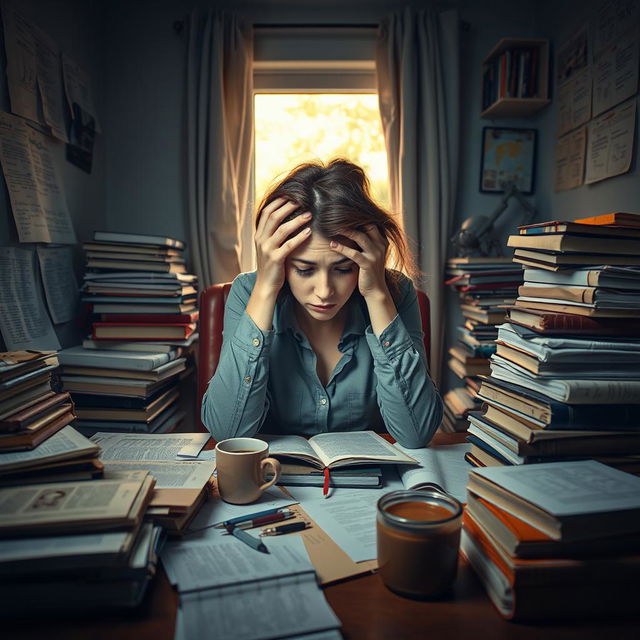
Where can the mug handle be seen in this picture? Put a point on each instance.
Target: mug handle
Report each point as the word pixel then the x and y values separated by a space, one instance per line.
pixel 275 467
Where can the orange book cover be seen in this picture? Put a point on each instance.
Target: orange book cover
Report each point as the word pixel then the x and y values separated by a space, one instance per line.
pixel 520 529
pixel 616 217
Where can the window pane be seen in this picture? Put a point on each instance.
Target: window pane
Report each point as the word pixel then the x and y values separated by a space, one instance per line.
pixel 295 128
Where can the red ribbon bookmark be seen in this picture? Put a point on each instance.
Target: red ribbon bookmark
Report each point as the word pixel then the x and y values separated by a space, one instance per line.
pixel 325 486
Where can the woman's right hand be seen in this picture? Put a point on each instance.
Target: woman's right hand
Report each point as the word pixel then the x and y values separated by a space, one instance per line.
pixel 272 246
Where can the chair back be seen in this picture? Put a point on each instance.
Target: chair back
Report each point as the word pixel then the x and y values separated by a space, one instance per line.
pixel 212 301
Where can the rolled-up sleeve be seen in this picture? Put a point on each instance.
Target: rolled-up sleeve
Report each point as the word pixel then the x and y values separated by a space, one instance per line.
pixel 236 401
pixel 409 402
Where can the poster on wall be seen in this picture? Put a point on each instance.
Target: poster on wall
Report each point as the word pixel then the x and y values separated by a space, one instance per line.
pixel 610 144
pixel 574 101
pixel 615 74
pixel 508 156
pixel 569 160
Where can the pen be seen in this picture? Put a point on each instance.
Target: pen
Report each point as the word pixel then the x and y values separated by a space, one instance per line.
pixel 248 516
pixel 274 517
pixel 285 528
pixel 248 539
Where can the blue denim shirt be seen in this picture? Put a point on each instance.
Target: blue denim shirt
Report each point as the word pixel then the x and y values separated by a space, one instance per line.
pixel 267 381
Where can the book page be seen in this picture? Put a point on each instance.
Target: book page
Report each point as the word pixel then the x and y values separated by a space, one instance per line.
pixel 137 446
pixel 182 474
pixel 443 467
pixel 356 445
pixel 290 446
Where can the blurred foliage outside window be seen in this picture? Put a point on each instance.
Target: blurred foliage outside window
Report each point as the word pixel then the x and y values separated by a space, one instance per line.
pixel 295 128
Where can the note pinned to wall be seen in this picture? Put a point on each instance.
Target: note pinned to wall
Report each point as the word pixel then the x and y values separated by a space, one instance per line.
pixel 34 73
pixel 569 161
pixel 59 282
pixel 574 101
pixel 35 189
pixel 610 146
pixel 24 321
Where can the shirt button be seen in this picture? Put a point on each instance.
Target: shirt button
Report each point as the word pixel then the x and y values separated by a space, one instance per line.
pixel 256 342
pixel 247 379
pixel 386 343
pixel 323 401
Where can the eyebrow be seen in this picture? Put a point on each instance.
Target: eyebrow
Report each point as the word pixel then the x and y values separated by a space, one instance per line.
pixel 313 264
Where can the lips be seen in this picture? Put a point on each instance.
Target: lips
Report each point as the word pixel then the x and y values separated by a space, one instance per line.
pixel 322 307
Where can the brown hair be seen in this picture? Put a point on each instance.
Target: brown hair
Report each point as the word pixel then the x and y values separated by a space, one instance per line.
pixel 338 196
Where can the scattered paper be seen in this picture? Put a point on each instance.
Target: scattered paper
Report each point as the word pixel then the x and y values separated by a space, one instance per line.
pixel 59 282
pixel 181 474
pixel 23 318
pixel 35 189
pixel 143 446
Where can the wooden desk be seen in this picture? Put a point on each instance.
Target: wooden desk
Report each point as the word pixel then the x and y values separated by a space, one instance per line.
pixel 367 610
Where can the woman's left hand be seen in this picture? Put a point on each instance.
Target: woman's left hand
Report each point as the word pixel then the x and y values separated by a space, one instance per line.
pixel 371 260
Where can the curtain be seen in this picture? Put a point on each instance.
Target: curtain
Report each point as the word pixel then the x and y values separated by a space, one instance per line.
pixel 219 141
pixel 417 60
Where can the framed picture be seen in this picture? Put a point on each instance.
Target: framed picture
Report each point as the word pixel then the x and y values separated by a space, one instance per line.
pixel 508 155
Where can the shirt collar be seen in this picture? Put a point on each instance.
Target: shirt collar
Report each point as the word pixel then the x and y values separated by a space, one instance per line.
pixel 284 318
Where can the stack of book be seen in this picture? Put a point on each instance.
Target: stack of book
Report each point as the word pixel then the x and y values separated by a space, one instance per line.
pixel 565 378
pixel 30 411
pixel 484 285
pixel 555 541
pixel 76 546
pixel 124 377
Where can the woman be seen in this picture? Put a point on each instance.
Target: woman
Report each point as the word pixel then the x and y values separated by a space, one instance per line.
pixel 323 336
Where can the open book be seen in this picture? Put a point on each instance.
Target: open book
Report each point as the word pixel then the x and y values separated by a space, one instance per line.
pixel 333 450
pixel 442 467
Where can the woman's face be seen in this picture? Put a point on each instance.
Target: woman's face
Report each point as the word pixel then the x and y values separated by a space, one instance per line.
pixel 321 280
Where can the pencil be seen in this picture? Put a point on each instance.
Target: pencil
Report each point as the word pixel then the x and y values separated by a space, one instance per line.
pixel 248 539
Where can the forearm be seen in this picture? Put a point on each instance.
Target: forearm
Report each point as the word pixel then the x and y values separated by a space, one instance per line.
pixel 261 306
pixel 382 311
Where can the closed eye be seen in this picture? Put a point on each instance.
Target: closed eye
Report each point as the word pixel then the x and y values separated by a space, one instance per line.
pixel 305 273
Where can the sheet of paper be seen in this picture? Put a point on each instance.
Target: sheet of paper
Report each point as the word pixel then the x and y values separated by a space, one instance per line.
pixel 610 142
pixel 444 466
pixel 24 321
pixel 615 74
pixel 50 83
pixel 207 454
pixel 184 474
pixel 77 87
pixel 216 510
pixel 59 282
pixel 35 189
pixel 574 101
pixel 572 55
pixel 139 446
pixel 570 154
pixel 22 72
pixel 614 19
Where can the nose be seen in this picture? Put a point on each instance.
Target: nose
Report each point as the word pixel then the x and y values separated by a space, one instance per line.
pixel 323 287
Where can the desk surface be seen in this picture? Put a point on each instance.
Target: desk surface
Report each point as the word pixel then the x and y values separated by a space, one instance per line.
pixel 367 610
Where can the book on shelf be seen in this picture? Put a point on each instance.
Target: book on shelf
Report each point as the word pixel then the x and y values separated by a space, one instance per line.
pixel 39 430
pixel 564 242
pixel 580 309
pixel 133 265
pixel 576 500
pixel 68 507
pixel 555 261
pixel 118 237
pixel 575 227
pixel 553 322
pixel 570 390
pixel 168 308
pixel 108 359
pixel 589 295
pixel 557 415
pixel 122 331
pixel 615 217
pixel 31 411
pixel 521 540
pixel 605 276
pixel 342 449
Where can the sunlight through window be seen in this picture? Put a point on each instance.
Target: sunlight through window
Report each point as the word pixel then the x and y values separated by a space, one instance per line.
pixel 295 128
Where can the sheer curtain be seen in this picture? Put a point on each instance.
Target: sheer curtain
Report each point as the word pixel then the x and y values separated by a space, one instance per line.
pixel 219 141
pixel 417 61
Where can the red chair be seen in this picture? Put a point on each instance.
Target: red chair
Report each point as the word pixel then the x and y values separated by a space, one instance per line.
pixel 212 301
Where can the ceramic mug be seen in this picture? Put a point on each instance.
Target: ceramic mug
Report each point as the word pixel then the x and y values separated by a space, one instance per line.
pixel 242 464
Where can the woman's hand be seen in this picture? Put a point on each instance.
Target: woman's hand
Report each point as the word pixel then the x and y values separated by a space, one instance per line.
pixel 272 249
pixel 371 260
pixel 272 246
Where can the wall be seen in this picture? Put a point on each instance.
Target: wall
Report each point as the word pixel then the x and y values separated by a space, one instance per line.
pixel 76 27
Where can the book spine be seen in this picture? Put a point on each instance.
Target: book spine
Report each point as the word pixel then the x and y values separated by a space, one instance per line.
pixel 613 391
